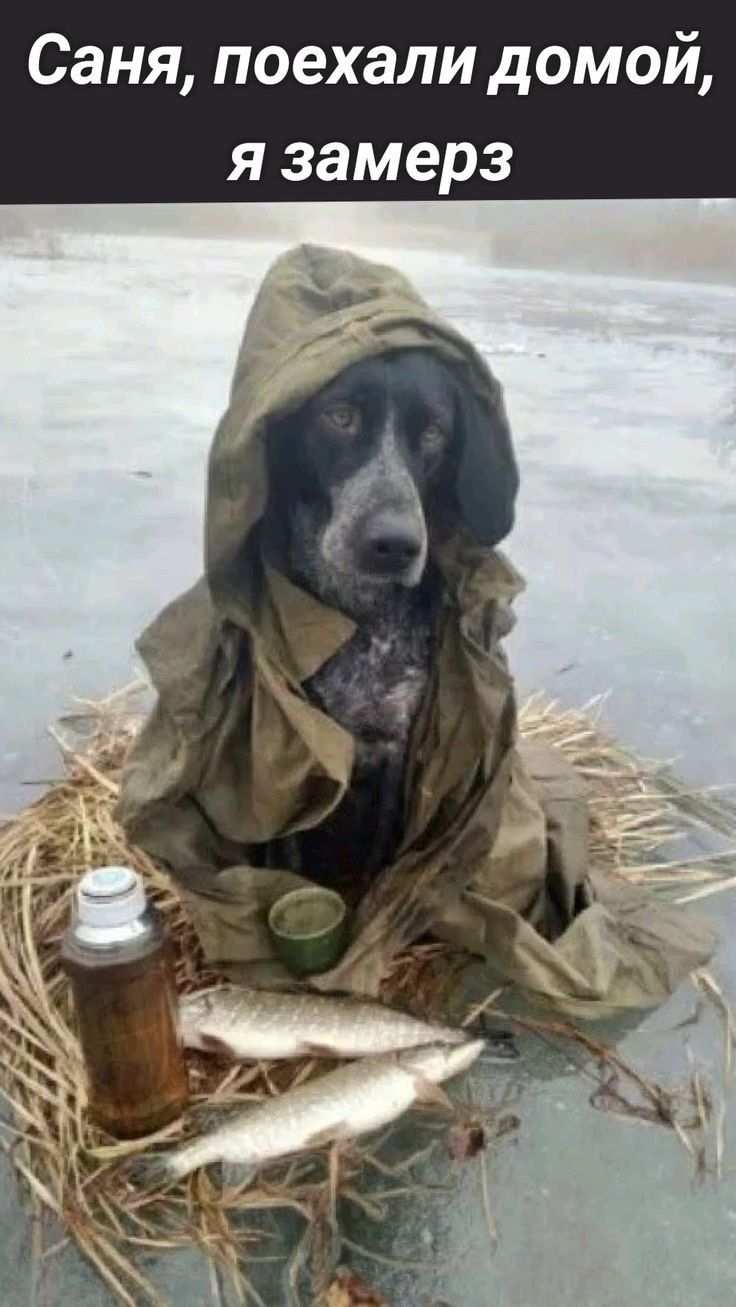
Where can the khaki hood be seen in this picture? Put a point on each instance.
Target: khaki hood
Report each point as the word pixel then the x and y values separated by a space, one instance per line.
pixel 317 312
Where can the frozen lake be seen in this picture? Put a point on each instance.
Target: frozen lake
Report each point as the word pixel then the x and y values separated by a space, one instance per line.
pixel 114 369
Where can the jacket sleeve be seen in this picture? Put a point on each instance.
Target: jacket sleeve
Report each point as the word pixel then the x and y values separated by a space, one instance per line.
pixel 157 808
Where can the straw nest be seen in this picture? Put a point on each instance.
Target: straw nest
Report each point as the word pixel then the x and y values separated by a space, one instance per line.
pixel 73 1170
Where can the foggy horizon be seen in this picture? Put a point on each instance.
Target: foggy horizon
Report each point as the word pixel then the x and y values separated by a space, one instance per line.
pixel 672 239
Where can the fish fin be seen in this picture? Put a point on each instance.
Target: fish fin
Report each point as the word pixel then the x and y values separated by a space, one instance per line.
pixel 215 1045
pixel 327 1136
pixel 431 1095
pixel 309 1049
pixel 238 1175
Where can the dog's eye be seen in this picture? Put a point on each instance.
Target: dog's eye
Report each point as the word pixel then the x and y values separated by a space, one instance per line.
pixel 433 440
pixel 344 417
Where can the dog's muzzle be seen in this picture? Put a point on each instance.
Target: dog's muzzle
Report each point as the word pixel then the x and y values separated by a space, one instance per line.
pixel 391 548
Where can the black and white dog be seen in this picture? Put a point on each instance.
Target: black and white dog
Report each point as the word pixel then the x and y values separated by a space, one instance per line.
pixel 359 480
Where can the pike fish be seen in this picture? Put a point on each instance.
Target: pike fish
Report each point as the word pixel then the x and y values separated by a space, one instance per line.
pixel 251 1023
pixel 340 1105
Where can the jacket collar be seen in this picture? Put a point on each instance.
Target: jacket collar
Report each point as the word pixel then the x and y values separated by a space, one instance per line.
pixel 306 632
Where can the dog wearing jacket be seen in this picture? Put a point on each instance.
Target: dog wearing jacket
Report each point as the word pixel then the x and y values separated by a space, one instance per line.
pixel 359 479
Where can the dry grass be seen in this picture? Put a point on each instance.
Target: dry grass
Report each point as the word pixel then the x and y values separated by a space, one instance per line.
pixel 638 807
pixel 72 1169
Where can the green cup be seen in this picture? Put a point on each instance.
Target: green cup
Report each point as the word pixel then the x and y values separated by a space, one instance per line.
pixel 309 929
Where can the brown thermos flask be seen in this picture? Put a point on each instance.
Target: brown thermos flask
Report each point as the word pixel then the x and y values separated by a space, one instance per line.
pixel 118 957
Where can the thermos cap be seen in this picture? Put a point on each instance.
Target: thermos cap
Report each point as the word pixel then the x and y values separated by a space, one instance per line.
pixel 110 896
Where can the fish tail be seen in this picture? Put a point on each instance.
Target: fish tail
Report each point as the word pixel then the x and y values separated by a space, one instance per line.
pixel 152 1171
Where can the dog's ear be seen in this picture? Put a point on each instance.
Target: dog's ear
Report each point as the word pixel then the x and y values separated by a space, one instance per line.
pixel 283 477
pixel 487 478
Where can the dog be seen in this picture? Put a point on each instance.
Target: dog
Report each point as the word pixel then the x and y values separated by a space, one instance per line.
pixel 360 479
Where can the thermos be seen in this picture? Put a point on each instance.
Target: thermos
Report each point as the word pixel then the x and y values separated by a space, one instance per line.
pixel 118 956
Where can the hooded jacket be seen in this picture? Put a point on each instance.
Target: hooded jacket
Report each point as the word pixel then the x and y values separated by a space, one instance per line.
pixel 494 849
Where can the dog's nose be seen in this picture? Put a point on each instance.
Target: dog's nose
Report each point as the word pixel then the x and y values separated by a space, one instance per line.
pixel 390 546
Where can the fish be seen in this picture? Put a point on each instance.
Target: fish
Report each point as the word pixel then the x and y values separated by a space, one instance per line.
pixel 235 1022
pixel 340 1105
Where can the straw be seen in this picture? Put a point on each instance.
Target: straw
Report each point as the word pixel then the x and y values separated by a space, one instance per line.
pixel 72 1169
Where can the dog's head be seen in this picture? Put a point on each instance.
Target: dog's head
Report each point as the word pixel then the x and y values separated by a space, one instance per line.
pixel 358 473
